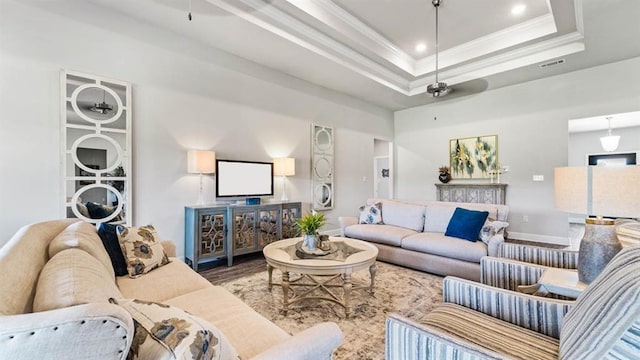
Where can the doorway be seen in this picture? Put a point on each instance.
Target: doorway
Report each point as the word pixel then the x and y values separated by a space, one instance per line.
pixel 382 169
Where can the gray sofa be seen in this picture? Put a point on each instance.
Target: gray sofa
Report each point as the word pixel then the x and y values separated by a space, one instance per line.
pixel 413 236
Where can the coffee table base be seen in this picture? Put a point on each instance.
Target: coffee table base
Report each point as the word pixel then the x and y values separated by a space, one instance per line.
pixel 308 284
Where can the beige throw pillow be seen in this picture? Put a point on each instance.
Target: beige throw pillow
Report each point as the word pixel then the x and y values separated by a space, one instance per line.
pixel 141 248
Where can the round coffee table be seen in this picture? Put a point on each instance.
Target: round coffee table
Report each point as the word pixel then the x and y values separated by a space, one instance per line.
pixel 317 273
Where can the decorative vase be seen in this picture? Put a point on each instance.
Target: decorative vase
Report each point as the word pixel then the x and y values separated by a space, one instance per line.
pixel 598 246
pixel 444 177
pixel 310 242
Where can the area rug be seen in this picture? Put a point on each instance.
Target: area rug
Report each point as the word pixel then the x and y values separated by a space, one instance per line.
pixel 397 289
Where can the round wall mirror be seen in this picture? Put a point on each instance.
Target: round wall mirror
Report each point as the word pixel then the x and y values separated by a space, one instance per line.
pixel 97 203
pixel 96 103
pixel 323 139
pixel 322 168
pixel 86 145
pixel 323 195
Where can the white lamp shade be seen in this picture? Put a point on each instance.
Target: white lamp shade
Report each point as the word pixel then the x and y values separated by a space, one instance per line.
pixel 201 162
pixel 598 190
pixel 284 166
pixel 610 143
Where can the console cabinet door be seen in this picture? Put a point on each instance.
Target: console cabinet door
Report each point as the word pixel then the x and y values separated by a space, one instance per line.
pixel 290 213
pixel 205 234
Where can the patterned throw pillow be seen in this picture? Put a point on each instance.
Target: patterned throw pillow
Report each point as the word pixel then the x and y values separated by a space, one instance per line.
pixel 490 229
pixel 167 332
pixel 371 214
pixel 141 248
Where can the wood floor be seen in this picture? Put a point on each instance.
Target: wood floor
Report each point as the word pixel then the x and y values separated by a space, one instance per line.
pixel 219 272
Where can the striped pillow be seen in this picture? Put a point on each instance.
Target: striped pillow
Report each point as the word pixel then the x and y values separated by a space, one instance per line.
pixel 628 231
pixel 603 317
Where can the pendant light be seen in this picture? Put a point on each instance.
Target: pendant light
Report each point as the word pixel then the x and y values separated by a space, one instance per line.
pixel 610 142
pixel 437 88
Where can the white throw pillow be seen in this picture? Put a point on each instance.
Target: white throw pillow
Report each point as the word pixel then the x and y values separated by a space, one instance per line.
pixel 371 214
pixel 167 332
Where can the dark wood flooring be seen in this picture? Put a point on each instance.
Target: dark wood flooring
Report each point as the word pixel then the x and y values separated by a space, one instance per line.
pixel 218 272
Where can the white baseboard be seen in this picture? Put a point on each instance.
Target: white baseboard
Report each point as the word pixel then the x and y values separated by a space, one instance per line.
pixel 547 239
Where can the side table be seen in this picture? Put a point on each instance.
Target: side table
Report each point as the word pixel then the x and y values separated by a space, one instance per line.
pixel 556 281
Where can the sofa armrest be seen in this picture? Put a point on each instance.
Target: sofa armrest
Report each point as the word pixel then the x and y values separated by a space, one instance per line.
pixel 346 221
pixel 88 331
pixel 539 314
pixel 169 248
pixel 508 274
pixel 495 242
pixel 558 258
pixel 408 340
pixel 314 343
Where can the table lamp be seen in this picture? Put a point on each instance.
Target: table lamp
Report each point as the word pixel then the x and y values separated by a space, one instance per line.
pixel 284 167
pixel 201 162
pixel 601 191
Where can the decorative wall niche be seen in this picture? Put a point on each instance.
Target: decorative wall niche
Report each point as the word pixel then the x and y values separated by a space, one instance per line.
pixel 96 148
pixel 322 156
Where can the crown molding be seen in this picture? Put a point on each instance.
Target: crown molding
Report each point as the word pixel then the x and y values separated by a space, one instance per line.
pixel 549 49
pixel 311 39
pixel 288 27
pixel 500 40
pixel 351 27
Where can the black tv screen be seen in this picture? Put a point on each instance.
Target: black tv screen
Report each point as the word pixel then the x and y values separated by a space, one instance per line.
pixel 243 178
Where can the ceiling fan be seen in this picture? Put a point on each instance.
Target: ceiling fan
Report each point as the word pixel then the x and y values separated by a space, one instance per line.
pixel 438 88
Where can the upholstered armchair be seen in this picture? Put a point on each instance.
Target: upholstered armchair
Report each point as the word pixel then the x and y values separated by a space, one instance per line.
pixel 518 265
pixel 478 321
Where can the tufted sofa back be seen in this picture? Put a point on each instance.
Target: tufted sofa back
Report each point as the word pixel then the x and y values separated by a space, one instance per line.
pixel 22 260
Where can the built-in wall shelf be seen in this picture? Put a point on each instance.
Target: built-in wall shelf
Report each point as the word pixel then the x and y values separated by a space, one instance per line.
pixel 472 193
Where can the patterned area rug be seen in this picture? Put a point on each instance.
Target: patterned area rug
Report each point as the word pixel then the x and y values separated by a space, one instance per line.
pixel 397 289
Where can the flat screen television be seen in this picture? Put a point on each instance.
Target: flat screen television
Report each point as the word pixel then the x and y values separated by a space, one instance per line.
pixel 237 179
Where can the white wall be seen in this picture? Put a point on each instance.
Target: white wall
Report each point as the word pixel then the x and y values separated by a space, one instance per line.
pixel 184 97
pixel 531 122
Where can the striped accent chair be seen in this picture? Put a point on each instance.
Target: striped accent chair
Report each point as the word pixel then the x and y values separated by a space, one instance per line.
pixel 519 264
pixel 477 321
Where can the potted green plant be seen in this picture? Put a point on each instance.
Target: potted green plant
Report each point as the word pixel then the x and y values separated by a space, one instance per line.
pixel 309 225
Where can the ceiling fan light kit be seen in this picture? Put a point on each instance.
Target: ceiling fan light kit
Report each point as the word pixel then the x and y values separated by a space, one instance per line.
pixel 438 88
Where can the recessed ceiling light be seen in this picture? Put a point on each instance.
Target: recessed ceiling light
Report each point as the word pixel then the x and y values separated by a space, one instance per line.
pixel 421 47
pixel 518 9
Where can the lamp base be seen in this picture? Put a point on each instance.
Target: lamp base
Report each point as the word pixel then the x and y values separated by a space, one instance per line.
pixel 598 246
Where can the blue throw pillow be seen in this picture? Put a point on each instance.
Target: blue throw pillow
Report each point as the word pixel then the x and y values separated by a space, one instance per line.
pixel 466 224
pixel 107 233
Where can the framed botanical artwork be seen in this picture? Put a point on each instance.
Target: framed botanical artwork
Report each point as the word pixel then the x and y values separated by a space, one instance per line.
pixel 472 158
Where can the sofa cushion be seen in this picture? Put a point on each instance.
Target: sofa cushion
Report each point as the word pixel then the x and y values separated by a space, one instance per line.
pixel 167 332
pixel 171 280
pixel 410 216
pixel 231 316
pixel 73 277
pixel 383 234
pixel 142 249
pixel 109 237
pixel 466 224
pixel 370 214
pixel 438 214
pixel 81 235
pixel 490 229
pixel 450 247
